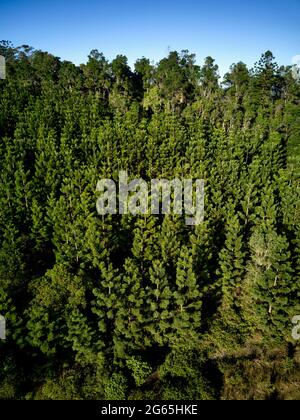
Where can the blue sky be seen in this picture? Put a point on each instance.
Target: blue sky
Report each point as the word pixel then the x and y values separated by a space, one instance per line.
pixel 228 30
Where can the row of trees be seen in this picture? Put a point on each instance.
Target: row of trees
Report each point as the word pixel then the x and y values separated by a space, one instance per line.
pixel 129 306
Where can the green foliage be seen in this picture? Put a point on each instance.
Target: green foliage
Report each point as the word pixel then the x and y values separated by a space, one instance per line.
pixel 140 370
pixel 115 387
pixel 125 306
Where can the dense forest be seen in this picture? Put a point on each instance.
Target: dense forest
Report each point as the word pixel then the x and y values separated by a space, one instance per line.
pixel 144 306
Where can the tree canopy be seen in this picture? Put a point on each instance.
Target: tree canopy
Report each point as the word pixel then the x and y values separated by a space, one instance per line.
pixel 145 307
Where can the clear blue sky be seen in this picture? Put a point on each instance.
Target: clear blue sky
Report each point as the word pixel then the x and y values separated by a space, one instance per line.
pixel 228 30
